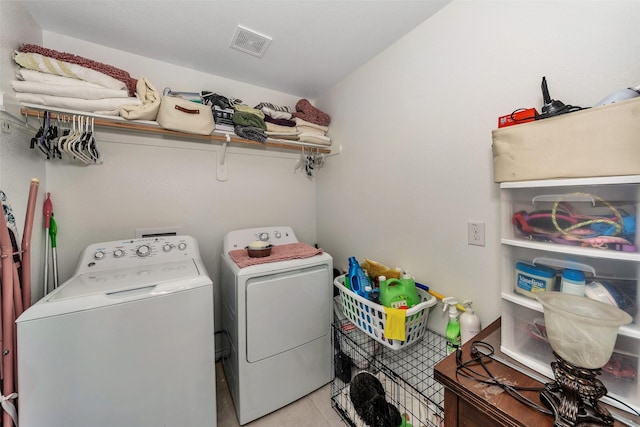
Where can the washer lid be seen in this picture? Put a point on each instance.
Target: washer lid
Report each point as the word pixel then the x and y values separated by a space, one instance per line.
pixel 93 290
pixel 124 280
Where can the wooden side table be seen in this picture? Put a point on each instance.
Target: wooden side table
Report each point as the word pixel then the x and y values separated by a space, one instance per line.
pixel 469 403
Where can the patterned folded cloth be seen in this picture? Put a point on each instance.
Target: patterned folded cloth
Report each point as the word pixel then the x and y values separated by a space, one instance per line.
pixel 275 114
pixel 252 133
pixel 273 107
pixel 308 112
pixel 54 55
pixel 278 253
pixel 214 99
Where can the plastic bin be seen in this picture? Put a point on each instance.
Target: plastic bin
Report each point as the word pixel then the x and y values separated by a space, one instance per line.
pixel 371 317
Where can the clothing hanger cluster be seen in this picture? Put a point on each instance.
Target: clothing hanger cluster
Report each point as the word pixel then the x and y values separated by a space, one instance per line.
pixel 71 136
pixel 309 162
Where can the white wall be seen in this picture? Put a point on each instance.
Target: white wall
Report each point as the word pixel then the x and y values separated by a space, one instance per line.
pixel 416 121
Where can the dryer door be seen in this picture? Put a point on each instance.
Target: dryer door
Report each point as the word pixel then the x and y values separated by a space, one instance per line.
pixel 287 310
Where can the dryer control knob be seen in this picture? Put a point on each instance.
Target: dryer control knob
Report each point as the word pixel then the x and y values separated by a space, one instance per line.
pixel 277 235
pixel 182 246
pixel 166 248
pixel 118 253
pixel 263 236
pixel 143 250
pixel 98 255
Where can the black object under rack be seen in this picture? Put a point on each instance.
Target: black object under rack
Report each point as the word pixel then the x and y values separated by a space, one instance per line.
pixel 406 374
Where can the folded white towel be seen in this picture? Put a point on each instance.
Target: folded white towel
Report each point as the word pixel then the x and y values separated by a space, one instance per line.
pixel 272 127
pixel 108 106
pixel 314 138
pixel 83 92
pixel 300 122
pixel 150 102
pixel 38 76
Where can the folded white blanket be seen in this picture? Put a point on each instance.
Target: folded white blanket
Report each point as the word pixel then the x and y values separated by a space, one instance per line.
pixel 38 76
pixel 300 122
pixel 35 61
pixel 83 92
pixel 150 102
pixel 314 138
pixel 108 106
pixel 310 130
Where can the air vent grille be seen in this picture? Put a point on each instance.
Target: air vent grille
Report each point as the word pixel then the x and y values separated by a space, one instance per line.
pixel 249 41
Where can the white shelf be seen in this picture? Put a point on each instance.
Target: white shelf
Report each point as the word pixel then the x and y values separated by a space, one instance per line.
pixel 602 180
pixel 573 250
pixel 117 122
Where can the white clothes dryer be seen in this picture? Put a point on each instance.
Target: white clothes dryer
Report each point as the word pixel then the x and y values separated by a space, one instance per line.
pixel 277 319
pixel 127 341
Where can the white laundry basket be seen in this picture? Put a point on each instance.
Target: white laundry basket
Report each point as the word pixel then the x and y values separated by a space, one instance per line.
pixel 371 317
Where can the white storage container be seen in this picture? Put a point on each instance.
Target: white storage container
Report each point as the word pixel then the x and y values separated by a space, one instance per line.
pixel 609 261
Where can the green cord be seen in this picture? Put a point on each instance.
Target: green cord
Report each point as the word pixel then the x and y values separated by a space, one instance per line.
pixel 618 225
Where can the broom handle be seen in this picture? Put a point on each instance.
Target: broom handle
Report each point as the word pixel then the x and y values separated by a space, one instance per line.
pixel 26 243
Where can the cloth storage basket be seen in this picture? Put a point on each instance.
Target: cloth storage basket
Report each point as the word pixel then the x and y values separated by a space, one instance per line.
pixel 600 141
pixel 371 317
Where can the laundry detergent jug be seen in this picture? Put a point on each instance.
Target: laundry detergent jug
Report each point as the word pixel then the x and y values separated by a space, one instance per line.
pixel 399 293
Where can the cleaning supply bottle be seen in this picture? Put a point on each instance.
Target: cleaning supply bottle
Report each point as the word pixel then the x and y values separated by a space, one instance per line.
pixel 469 323
pixel 358 280
pixel 399 293
pixel 453 327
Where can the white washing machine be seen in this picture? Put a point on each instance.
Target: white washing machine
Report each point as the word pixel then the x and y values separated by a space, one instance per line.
pixel 277 318
pixel 127 341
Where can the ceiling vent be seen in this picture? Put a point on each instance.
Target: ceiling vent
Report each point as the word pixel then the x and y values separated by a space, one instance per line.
pixel 248 41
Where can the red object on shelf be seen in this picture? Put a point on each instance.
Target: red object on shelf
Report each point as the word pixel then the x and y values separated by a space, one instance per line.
pixel 517 117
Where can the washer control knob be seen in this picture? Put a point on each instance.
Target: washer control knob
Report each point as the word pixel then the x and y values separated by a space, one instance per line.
pixel 166 247
pixel 143 250
pixel 182 246
pixel 277 235
pixel 118 253
pixel 99 255
pixel 263 236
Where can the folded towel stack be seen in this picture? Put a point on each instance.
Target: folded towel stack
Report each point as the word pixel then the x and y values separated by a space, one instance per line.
pixel 249 123
pixel 58 79
pixel 312 124
pixel 278 121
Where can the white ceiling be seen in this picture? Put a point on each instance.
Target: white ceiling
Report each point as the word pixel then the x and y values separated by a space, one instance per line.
pixel 316 43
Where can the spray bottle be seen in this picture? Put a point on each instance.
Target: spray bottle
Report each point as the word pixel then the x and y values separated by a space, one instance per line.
pixel 469 322
pixel 453 327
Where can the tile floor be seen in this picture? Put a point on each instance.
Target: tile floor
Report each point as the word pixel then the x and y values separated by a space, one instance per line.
pixel 313 410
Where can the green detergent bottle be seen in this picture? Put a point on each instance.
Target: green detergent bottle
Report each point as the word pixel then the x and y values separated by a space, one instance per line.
pixel 399 293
